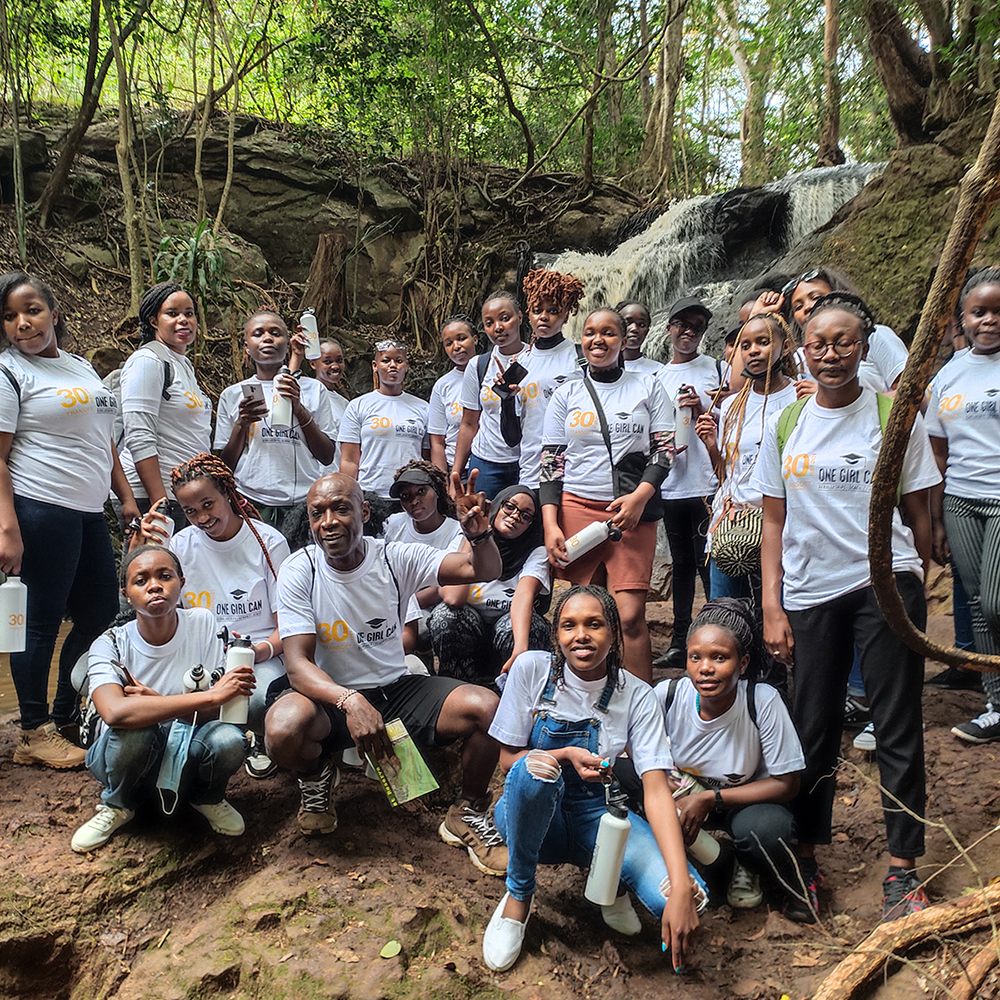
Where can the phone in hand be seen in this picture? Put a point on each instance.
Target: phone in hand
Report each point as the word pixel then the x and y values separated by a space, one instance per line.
pixel 254 392
pixel 512 376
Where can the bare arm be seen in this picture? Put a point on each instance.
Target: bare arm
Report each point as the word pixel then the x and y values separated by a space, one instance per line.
pixel 939 537
pixel 467 430
pixel 481 561
pixel 11 545
pixel 777 631
pixel 918 517
pixel 249 413
pixel 521 608
pixel 350 458
pixel 121 488
pixel 438 453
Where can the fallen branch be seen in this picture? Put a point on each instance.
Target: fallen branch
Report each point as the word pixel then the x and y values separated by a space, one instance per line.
pixel 967 985
pixel 980 192
pixel 870 957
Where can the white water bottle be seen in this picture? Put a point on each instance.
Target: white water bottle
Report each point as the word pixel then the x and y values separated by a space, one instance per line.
pixel 705 848
pixel 195 679
pixel 13 615
pixel 609 854
pixel 589 538
pixel 682 420
pixel 281 406
pixel 239 654
pixel 308 323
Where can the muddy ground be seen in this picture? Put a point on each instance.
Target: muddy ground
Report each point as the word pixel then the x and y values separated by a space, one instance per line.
pixel 169 910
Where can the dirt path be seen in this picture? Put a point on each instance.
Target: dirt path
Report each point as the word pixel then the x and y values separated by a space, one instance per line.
pixel 168 910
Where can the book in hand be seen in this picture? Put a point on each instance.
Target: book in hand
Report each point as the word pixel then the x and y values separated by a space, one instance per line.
pixel 404 776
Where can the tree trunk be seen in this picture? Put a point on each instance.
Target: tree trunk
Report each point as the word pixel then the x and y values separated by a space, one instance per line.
pixel 902 66
pixel 93 83
pixel 830 154
pixel 17 166
pixel 657 156
pixel 754 167
pixel 121 151
pixel 645 93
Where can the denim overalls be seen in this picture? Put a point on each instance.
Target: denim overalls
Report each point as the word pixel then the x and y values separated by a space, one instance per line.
pixel 555 822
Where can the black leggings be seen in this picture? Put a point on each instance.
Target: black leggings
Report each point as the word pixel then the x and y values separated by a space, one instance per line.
pixel 686 523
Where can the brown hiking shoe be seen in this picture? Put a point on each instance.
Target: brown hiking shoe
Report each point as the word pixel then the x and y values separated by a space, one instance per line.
pixel 45 746
pixel 316 814
pixel 471 828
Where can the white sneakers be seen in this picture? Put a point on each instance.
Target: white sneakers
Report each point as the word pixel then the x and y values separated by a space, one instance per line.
pixel 744 889
pixel 222 817
pixel 504 937
pixel 96 832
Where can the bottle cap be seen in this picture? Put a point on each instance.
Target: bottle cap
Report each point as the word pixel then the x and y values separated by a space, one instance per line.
pixel 242 640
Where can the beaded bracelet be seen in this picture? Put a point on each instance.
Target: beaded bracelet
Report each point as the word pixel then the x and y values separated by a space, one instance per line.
pixel 342 700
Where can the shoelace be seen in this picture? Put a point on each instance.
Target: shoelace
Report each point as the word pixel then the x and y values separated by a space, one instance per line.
pixel 989 718
pixel 316 792
pixel 105 819
pixel 484 827
pixel 742 880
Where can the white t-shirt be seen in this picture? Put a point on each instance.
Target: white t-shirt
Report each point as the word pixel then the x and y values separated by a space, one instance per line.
pixel 643 365
pixel 445 404
pixel 633 719
pixel 392 430
pixel 488 443
pixel 276 467
pixel 547 370
pixel 232 578
pixel 337 406
pixel 965 410
pixel 824 478
pixel 183 422
pixel 692 474
pixel 447 536
pixel 884 363
pixel 355 616
pixel 730 751
pixel 761 412
pixel 63 426
pixel 493 599
pixel 634 406
pixel 161 668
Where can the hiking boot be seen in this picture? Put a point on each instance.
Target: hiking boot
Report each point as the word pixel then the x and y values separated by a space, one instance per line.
pixel 856 714
pixel 866 739
pixel 956 679
pixel 984 728
pixel 45 746
pixel 466 826
pixel 70 731
pixel 801 907
pixel 902 894
pixel 316 814
pixel 222 817
pixel 258 764
pixel 96 832
pixel 744 889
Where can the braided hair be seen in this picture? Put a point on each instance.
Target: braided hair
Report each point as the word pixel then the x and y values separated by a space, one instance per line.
pixel 615 663
pixel 130 557
pixel 206 466
pixel 735 615
pixel 562 290
pixel 849 303
pixel 151 304
pixel 13 280
pixel 439 483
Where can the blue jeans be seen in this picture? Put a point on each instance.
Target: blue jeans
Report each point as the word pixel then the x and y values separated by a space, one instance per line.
pixel 493 476
pixel 126 762
pixel 724 585
pixel 69 569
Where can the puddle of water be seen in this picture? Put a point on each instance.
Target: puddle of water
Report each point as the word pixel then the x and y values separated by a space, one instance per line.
pixel 8 696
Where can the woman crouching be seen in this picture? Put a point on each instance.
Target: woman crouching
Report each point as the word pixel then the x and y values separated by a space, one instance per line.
pixel 563 718
pixel 137 683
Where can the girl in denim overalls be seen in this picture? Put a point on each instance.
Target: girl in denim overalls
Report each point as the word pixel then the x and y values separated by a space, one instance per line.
pixel 560 729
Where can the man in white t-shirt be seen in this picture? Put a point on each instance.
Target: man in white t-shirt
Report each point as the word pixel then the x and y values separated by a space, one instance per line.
pixel 341 606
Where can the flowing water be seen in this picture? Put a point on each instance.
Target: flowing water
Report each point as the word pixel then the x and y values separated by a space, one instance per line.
pixel 684 251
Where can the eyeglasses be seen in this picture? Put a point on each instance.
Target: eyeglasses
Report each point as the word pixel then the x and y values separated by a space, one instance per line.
pixel 817 349
pixel 511 508
pixel 683 326
pixel 810 275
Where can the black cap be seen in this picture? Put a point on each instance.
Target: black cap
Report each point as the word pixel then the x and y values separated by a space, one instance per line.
pixel 682 305
pixel 410 477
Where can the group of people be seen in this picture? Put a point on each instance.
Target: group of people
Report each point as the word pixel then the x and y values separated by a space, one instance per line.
pixel 759 467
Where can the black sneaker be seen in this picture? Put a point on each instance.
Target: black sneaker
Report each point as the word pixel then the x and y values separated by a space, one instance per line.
pixel 856 714
pixel 803 907
pixel 956 679
pixel 984 728
pixel 902 894
pixel 674 658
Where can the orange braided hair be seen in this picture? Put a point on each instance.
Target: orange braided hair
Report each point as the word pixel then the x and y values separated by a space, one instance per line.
pixel 205 466
pixel 562 290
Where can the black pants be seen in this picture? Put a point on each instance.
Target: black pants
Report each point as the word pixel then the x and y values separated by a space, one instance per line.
pixel 686 522
pixel 825 637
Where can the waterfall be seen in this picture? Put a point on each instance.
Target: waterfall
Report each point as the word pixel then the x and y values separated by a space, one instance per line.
pixel 709 245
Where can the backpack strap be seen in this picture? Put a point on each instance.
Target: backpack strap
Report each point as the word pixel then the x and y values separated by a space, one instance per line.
pixel 752 702
pixel 482 363
pixel 581 360
pixel 671 693
pixel 161 351
pixel 15 385
pixel 787 420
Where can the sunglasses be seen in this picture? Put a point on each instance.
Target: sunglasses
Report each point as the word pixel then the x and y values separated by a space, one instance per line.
pixel 810 275
pixel 512 509
pixel 388 345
